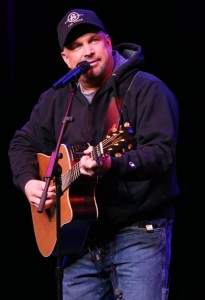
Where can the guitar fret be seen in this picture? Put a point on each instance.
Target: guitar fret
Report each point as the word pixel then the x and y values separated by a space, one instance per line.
pixel 70 176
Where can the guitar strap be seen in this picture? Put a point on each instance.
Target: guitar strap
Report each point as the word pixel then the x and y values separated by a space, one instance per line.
pixel 114 111
pixel 113 114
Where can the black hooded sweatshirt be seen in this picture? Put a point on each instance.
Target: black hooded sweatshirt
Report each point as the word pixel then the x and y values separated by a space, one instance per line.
pixel 141 183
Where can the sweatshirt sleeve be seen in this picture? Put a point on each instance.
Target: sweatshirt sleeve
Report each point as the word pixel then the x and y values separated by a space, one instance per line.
pixel 152 109
pixel 31 139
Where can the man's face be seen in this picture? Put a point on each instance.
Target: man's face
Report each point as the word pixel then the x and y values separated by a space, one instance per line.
pixel 95 48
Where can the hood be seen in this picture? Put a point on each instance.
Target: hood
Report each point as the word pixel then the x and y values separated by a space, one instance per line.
pixel 128 59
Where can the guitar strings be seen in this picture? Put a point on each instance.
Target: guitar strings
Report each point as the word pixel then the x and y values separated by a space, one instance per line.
pixel 70 176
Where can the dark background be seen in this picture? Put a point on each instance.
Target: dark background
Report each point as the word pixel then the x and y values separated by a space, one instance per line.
pixel 171 35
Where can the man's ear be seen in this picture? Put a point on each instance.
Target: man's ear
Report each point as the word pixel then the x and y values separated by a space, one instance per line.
pixel 65 58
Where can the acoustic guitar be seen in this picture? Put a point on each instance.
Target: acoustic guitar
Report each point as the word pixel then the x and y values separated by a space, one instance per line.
pixel 78 206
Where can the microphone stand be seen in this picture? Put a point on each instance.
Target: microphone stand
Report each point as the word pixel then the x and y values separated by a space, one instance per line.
pixel 54 170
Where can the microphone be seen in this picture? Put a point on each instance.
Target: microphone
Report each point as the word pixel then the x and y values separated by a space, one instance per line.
pixel 73 75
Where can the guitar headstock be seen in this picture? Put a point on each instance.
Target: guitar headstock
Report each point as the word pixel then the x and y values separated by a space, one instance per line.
pixel 117 141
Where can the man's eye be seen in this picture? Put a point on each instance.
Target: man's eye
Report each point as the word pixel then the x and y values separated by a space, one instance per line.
pixel 95 39
pixel 75 46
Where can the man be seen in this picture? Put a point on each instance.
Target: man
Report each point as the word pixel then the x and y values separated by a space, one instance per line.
pixel 129 173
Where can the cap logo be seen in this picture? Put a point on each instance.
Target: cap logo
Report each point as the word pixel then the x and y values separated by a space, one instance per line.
pixel 73 18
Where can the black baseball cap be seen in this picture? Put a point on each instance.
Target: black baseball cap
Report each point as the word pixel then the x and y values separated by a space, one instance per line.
pixel 76 23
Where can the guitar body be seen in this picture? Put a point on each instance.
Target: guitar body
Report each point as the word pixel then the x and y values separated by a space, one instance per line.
pixel 78 210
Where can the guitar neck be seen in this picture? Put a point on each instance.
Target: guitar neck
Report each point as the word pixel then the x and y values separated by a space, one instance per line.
pixel 113 142
pixel 69 177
